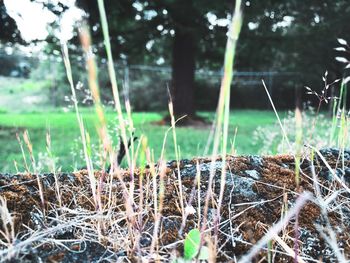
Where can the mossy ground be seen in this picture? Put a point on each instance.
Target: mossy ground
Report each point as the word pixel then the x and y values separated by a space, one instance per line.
pixel 248 210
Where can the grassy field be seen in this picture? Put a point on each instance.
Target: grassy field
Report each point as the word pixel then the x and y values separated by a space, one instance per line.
pixel 66 144
pixel 23 106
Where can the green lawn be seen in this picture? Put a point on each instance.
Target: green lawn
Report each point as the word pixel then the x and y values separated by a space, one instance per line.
pixel 67 147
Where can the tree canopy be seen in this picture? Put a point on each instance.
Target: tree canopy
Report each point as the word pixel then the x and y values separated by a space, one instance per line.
pixel 284 36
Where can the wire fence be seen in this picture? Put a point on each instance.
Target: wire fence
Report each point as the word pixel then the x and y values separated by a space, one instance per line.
pixel 247 89
pixel 146 86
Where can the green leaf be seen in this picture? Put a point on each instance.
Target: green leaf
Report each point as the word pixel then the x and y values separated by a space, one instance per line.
pixel 191 244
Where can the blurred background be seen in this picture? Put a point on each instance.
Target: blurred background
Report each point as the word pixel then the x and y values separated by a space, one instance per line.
pixel 163 45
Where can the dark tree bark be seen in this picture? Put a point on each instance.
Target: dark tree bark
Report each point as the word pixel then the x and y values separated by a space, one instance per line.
pixel 183 73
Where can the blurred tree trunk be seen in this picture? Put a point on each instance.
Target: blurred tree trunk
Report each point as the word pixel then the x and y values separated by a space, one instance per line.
pixel 183 73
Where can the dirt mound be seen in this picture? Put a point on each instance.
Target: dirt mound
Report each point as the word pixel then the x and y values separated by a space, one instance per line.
pixel 258 192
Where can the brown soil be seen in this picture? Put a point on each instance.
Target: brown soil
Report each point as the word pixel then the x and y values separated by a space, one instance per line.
pixel 258 190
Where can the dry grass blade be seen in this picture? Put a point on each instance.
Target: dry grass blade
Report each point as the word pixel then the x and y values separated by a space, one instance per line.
pixel 8 232
pixel 32 159
pixel 277 116
pixel 223 110
pixel 88 161
pixel 340 181
pixel 95 92
pixel 173 122
pixel 112 76
pixel 287 248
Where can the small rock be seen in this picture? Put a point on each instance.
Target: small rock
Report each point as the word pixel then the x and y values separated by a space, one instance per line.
pixel 145 240
pixel 253 174
pixel 327 152
pixel 242 186
pixel 256 161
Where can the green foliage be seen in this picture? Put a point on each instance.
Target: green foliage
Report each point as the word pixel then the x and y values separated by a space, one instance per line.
pixel 150 14
pixel 191 248
pixel 305 46
pixel 192 244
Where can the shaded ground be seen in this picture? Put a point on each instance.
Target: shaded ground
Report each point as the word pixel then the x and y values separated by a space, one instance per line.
pixel 258 192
